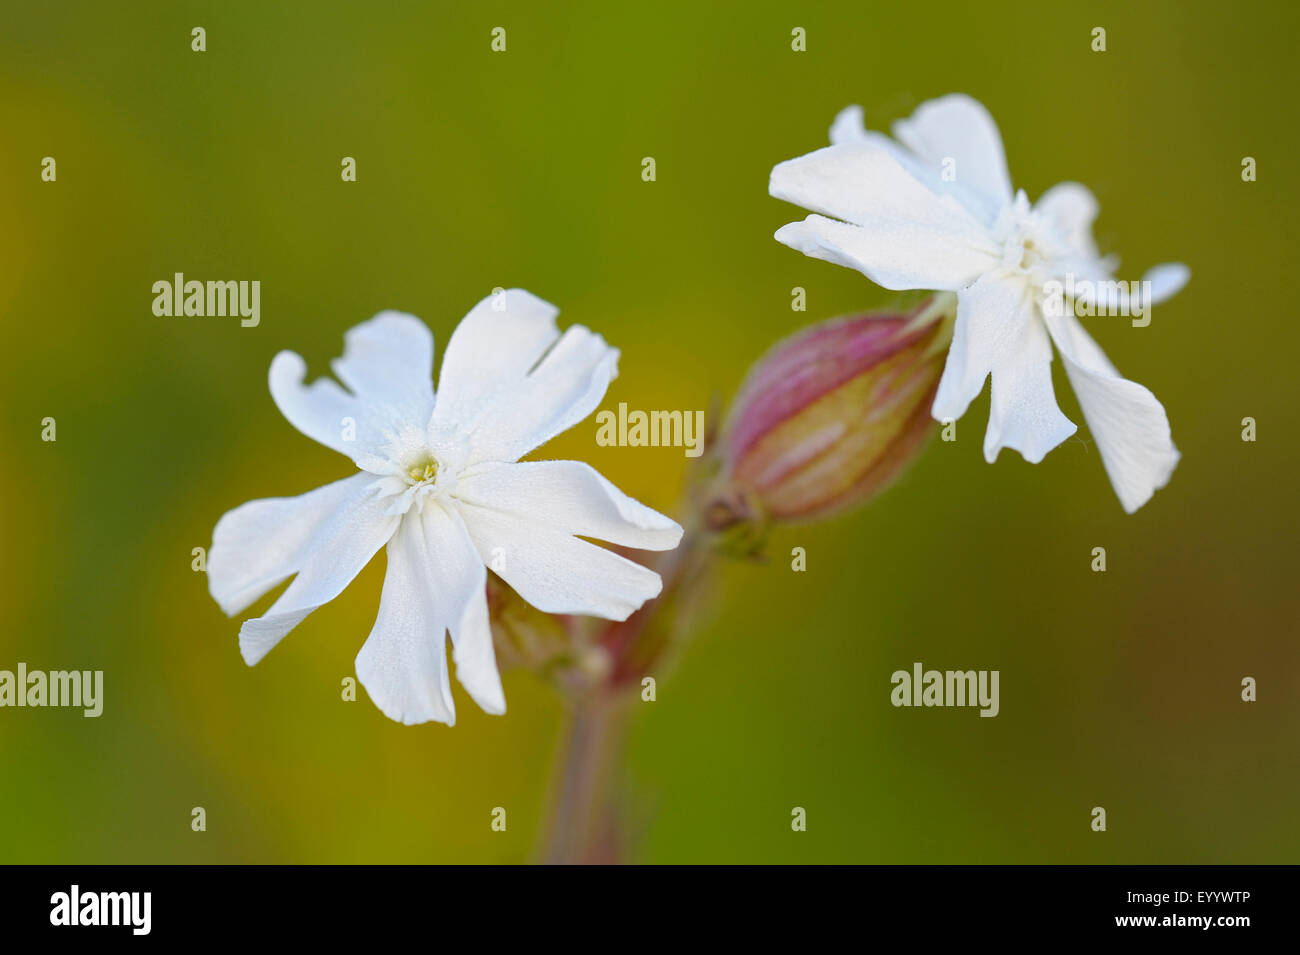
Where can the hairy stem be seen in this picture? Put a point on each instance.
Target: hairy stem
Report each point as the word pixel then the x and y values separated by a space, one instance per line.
pixel 584 825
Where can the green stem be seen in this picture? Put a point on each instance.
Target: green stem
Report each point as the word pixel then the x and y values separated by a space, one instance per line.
pixel 584 825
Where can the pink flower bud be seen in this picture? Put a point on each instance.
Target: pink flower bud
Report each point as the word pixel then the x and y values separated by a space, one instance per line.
pixel 827 419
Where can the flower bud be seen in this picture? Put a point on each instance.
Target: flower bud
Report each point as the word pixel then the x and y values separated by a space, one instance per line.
pixel 827 418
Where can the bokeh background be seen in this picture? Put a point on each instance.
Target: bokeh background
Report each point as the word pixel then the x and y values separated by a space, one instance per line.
pixel 478 169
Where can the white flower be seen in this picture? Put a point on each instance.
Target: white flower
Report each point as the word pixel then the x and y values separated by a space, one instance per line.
pixel 933 208
pixel 442 486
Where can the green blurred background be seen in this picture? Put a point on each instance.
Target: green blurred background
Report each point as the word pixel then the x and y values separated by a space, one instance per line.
pixel 478 169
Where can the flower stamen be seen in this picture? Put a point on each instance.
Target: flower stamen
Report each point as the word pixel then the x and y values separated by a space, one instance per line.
pixel 423 472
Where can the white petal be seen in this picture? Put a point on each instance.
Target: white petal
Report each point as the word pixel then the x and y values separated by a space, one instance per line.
pixel 1127 422
pixel 326 413
pixel 1166 280
pixel 492 348
pixel 565 387
pixel 475 655
pixel 459 580
pixel 389 360
pixel 1071 209
pixel 572 497
pixel 436 583
pixel 1023 414
pixel 262 543
pixel 403 663
pixel 848 127
pixel 992 335
pixel 1071 339
pixel 530 542
pixel 1096 287
pixel 334 554
pixel 959 128
pixel 509 384
pixel 895 254
pixel 864 183
pixel 910 237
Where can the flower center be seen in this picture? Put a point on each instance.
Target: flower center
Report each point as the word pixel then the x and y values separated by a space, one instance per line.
pixel 423 471
pixel 1030 255
pixel 416 472
pixel 1026 246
